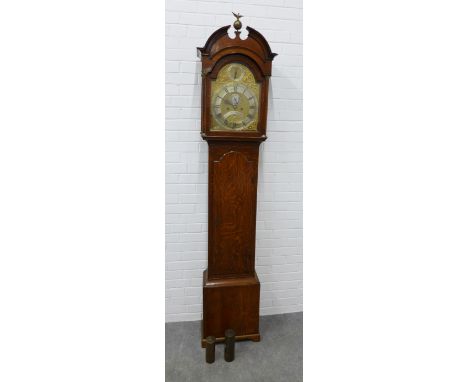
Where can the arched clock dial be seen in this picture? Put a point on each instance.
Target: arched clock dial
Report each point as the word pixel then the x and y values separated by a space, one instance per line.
pixel 235 102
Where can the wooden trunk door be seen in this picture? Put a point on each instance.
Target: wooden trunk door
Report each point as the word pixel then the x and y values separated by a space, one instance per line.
pixel 232 209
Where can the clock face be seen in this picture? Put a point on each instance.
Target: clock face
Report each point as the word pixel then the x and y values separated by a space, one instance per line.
pixel 234 99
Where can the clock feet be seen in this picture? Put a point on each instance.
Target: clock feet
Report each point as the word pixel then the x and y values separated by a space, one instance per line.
pixel 210 349
pixel 230 343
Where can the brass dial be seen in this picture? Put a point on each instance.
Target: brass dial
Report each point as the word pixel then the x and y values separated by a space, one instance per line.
pixel 235 99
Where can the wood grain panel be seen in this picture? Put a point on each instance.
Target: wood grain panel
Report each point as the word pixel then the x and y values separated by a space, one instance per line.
pixel 232 209
pixel 231 305
pixel 233 177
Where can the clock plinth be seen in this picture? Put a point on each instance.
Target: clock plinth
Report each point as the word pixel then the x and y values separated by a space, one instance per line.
pixel 231 303
pixel 235 76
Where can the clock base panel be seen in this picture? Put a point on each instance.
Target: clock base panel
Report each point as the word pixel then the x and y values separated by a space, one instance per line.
pixel 231 303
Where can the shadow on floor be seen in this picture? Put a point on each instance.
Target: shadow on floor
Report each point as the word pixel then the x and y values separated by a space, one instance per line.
pixel 276 358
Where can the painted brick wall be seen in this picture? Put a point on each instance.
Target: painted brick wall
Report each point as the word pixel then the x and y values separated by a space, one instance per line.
pixel 279 215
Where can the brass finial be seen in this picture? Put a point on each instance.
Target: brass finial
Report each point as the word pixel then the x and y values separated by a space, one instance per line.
pixel 237 24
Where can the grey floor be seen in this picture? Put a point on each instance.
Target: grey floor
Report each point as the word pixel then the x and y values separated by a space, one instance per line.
pixel 276 358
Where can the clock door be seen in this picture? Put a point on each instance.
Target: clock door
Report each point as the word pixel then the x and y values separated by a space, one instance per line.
pixel 233 206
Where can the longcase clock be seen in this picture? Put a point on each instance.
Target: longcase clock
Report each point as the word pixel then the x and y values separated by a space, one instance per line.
pixel 235 76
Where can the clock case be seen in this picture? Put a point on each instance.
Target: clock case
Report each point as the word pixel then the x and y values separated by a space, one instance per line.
pixel 231 289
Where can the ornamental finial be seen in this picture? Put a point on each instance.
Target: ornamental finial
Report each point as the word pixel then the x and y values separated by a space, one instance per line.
pixel 237 24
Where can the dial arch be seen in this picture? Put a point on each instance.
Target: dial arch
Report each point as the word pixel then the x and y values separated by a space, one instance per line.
pixel 235 95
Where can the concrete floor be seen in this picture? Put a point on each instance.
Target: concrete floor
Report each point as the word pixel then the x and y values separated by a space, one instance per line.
pixel 276 358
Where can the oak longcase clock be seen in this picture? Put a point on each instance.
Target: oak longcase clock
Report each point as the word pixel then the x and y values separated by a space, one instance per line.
pixel 235 77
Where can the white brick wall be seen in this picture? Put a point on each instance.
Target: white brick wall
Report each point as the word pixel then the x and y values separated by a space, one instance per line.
pixel 279 215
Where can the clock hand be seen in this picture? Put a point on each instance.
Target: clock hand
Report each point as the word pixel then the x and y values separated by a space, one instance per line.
pixel 226 101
